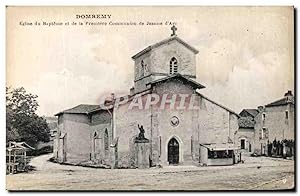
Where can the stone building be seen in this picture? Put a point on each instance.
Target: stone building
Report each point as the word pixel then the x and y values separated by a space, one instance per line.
pixel 274 121
pixel 164 120
pixel 244 138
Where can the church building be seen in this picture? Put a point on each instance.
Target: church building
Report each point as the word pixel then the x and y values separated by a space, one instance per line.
pixel 165 120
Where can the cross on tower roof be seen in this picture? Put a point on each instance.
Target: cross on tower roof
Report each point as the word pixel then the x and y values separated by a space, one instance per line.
pixel 174 29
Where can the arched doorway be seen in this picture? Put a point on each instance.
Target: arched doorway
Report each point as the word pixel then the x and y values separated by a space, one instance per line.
pixel 173 151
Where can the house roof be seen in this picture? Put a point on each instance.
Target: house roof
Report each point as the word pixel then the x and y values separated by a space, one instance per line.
pixel 283 101
pixel 178 77
pixel 252 112
pixel 246 122
pixel 149 48
pixel 80 109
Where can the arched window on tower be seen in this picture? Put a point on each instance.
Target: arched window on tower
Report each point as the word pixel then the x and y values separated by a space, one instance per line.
pixel 142 68
pixel 173 66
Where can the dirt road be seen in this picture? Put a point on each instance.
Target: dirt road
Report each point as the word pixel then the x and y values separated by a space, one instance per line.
pixel 260 173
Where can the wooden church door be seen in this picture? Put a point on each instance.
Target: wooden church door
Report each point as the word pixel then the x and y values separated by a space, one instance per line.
pixel 173 151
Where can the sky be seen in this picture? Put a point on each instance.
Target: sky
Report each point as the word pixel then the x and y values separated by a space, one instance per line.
pixel 245 59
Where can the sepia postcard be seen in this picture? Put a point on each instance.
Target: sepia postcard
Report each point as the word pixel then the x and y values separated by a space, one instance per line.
pixel 150 98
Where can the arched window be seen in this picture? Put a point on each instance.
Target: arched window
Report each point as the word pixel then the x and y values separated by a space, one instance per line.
pixel 173 66
pixel 94 144
pixel 106 143
pixel 142 68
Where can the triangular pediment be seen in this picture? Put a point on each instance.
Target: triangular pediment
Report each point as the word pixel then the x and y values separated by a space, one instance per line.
pixel 180 77
pixel 163 42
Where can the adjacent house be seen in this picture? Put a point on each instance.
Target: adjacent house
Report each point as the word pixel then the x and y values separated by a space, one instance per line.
pixel 274 122
pixel 244 138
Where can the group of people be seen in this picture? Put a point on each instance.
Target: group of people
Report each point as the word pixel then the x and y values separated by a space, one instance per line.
pixel 283 148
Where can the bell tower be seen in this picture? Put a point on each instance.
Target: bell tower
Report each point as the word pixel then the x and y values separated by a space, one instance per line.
pixel 165 58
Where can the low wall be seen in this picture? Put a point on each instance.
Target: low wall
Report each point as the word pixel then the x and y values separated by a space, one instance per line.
pixel 221 161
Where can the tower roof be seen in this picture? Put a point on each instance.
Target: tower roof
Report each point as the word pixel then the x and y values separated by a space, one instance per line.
pixel 165 41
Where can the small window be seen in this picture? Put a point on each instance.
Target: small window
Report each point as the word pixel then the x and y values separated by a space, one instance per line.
pixel 286 114
pixel 263 133
pixel 264 116
pixel 242 143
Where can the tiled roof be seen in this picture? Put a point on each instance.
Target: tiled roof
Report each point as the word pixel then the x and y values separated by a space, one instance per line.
pixel 164 42
pixel 225 108
pixel 252 112
pixel 179 77
pixel 80 109
pixel 282 101
pixel 246 122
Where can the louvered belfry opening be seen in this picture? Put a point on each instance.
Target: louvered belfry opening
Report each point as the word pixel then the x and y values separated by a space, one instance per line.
pixel 173 65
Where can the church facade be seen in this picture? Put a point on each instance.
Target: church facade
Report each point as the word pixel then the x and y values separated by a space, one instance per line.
pixel 165 120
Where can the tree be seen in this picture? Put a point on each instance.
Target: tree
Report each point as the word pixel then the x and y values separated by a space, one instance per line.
pixel 22 123
pixel 21 102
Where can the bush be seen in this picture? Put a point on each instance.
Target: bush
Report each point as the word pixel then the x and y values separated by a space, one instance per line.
pixel 41 151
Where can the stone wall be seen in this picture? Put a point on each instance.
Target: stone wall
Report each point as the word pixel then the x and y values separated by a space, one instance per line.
pixel 223 161
pixel 97 140
pixel 141 84
pixel 248 135
pixel 279 127
pixel 126 128
pixel 146 58
pixel 78 137
pixel 276 124
pixel 234 126
pixel 140 80
pixel 158 63
pixel 161 56
pixel 214 123
pixel 58 152
pixel 183 132
pixel 259 144
pixel 101 122
pixel 211 124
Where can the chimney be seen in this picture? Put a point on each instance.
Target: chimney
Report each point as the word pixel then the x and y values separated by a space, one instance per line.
pixel 289 96
pixel 289 93
pixel 260 108
pixel 109 100
pixel 132 91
